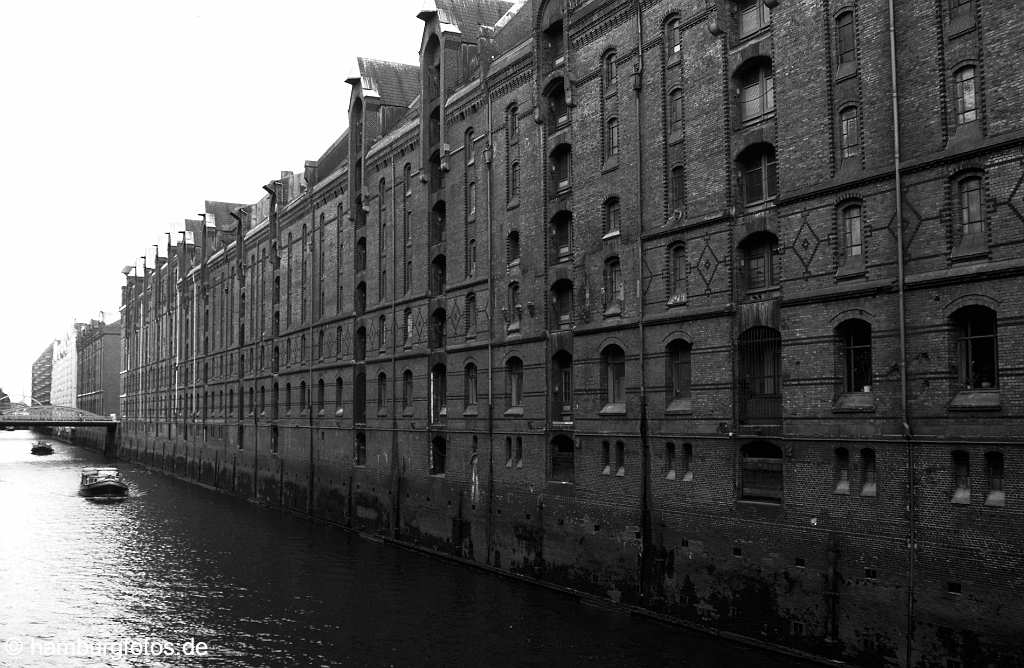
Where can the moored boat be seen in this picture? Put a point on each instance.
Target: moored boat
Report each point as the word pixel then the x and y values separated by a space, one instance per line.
pixel 42 448
pixel 101 482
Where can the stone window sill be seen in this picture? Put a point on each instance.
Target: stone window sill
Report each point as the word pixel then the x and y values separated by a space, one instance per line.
pixel 613 409
pixel 515 411
pixel 408 412
pixel 854 402
pixel 852 267
pixel 961 497
pixel 996 499
pixel 846 70
pixel 976 400
pixel 970 248
pixel 680 406
pixel 611 163
pixel 471 411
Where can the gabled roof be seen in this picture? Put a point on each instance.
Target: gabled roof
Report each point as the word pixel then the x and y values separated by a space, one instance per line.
pixel 469 15
pixel 221 213
pixel 395 83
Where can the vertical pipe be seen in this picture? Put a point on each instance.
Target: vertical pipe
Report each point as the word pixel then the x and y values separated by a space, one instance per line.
pixel 645 454
pixel 905 411
pixel 395 485
pixel 489 164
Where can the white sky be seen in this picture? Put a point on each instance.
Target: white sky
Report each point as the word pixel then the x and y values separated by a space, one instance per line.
pixel 118 118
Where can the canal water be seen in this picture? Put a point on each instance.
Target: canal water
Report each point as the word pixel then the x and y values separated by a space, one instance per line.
pixel 177 575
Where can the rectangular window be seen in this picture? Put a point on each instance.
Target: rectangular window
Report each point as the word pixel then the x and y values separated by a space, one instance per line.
pixel 753 16
pixel 961 477
pixel 845 41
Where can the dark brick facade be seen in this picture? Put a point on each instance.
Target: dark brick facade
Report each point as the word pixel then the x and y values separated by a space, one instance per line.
pixel 670 259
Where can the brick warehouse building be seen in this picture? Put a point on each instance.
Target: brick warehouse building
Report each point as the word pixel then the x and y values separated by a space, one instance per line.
pixel 41 371
pixel 610 294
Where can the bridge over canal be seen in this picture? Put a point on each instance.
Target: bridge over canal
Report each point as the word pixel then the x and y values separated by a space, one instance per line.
pixel 20 416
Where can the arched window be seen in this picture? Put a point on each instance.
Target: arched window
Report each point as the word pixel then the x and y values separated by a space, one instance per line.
pixel 471 315
pixel 846 45
pixel 562 303
pixel 612 138
pixel 842 471
pixel 759 174
pixel 407 390
pixel 552 39
pixel 514 373
pixel 855 354
pixel 512 247
pixel 757 90
pixel 407 327
pixel 321 396
pixel 361 254
pixel 994 472
pixel 961 470
pixel 868 472
pixel 360 347
pixel 513 180
pixel 557 107
pixel 514 306
pixel 406 180
pixel 338 395
pixel 675 111
pixel 382 392
pixel 561 170
pixel 438 275
pixel 561 233
pixel 673 38
pixel 438 393
pixel 975 328
pixel 303 397
pixel 612 215
pixel 965 95
pixel 677 375
pixel 613 378
pixel 470 390
pixel 849 133
pixel 471 200
pixel 610 71
pixel 438 223
pixel 970 204
pixel 853 236
pixel 677 189
pixel 470 152
pixel 761 476
pixel 613 289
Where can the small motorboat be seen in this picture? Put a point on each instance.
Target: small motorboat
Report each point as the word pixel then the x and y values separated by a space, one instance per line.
pixel 42 448
pixel 103 483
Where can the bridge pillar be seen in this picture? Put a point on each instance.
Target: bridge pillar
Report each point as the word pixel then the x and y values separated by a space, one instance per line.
pixel 110 444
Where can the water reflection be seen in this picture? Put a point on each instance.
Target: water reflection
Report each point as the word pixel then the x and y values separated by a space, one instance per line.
pixel 176 562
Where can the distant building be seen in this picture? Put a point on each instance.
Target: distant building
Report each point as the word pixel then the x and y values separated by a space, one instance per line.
pixel 98 346
pixel 64 373
pixel 42 370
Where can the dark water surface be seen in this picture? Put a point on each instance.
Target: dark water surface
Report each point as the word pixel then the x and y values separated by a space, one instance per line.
pixel 85 584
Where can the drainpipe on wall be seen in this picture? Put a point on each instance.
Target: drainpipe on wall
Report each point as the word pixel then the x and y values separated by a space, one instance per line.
pixel 309 392
pixel 645 449
pixel 395 484
pixel 905 410
pixel 489 165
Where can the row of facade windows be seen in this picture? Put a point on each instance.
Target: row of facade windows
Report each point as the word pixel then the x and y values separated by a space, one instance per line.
pixel 760 363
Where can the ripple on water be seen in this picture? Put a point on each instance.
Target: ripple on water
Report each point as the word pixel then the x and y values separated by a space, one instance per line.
pixel 175 562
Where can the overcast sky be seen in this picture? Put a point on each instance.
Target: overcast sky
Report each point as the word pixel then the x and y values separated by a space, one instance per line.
pixel 119 118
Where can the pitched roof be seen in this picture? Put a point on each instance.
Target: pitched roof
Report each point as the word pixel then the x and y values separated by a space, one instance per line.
pixel 469 15
pixel 396 83
pixel 221 213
